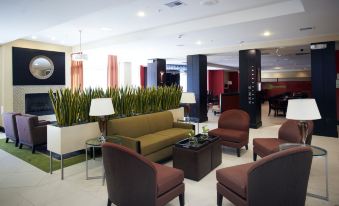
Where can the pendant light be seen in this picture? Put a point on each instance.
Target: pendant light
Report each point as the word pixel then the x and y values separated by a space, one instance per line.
pixel 79 56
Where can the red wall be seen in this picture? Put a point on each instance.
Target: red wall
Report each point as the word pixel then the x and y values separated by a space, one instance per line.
pixel 234 77
pixel 296 86
pixel 216 81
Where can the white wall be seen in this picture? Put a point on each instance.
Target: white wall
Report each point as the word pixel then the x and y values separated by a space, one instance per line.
pixel 6 79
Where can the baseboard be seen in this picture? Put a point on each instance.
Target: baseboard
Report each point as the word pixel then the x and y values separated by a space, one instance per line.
pixel 2 129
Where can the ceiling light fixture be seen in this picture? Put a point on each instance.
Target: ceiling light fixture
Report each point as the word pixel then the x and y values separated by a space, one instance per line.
pixel 198 42
pixel 79 56
pixel 34 37
pixel 52 38
pixel 267 33
pixel 208 2
pixel 141 14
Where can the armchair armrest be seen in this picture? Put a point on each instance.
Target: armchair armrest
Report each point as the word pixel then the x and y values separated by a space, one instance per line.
pixel 40 134
pixel 42 123
pixel 129 142
pixel 183 125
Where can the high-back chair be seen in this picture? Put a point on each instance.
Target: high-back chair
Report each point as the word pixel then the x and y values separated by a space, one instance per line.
pixel 11 129
pixel 134 180
pixel 233 129
pixel 277 179
pixel 288 133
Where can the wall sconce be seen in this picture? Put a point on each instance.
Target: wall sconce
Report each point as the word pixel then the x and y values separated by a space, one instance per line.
pixel 162 77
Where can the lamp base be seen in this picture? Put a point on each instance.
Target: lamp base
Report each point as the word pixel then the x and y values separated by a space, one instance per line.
pixel 102 121
pixel 303 129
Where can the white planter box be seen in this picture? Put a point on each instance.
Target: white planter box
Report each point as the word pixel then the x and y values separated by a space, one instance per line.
pixel 63 140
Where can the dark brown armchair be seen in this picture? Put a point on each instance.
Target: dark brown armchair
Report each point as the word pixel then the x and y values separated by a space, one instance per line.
pixel 134 180
pixel 277 179
pixel 11 129
pixel 31 131
pixel 288 133
pixel 233 129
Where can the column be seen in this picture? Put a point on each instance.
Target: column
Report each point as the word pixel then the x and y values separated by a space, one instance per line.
pixel 197 83
pixel 323 70
pixel 250 77
pixel 156 73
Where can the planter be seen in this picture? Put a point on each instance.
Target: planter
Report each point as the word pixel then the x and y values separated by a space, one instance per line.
pixel 178 113
pixel 63 140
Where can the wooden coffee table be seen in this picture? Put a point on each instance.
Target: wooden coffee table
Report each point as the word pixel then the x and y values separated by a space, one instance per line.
pixel 197 161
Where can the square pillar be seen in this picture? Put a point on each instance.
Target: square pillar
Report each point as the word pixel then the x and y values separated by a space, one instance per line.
pixel 250 78
pixel 197 83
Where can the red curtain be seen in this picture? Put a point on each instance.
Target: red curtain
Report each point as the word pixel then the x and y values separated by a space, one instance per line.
pixel 77 74
pixel 112 71
pixel 142 76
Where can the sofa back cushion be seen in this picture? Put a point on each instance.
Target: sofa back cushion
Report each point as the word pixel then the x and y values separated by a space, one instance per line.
pixel 141 125
pixel 160 121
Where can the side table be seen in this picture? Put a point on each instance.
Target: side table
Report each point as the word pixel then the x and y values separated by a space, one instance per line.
pixel 96 143
pixel 317 152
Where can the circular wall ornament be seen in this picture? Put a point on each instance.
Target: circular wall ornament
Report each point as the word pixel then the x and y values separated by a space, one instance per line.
pixel 41 67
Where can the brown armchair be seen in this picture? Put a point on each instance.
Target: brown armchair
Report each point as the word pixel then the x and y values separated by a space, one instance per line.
pixel 11 129
pixel 288 132
pixel 278 179
pixel 134 180
pixel 31 131
pixel 233 129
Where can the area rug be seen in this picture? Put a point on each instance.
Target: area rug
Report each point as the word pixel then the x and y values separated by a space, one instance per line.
pixel 39 159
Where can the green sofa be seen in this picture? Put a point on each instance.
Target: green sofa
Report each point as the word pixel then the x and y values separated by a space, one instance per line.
pixel 151 135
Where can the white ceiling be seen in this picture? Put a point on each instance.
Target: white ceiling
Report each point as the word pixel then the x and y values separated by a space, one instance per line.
pixel 219 28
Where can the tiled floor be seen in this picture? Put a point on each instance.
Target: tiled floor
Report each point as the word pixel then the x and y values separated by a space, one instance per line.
pixel 23 184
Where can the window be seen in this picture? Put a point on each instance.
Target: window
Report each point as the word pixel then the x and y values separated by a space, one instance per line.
pixel 95 70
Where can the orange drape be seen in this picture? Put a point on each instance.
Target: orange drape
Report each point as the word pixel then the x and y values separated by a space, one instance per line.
pixel 77 75
pixel 112 71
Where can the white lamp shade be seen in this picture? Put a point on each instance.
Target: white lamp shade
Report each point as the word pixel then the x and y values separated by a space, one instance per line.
pixel 101 107
pixel 188 98
pixel 302 109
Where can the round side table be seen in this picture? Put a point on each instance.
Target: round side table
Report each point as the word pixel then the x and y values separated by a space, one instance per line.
pixel 317 152
pixel 97 143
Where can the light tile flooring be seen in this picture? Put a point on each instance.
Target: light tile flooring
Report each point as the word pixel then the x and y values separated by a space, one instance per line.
pixel 23 184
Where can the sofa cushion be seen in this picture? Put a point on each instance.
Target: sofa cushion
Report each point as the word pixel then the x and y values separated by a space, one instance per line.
pixel 167 178
pixel 135 126
pixel 235 178
pixel 159 121
pixel 230 135
pixel 176 133
pixel 266 146
pixel 154 142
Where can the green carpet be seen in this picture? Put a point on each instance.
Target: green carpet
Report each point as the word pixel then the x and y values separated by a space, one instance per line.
pixel 39 160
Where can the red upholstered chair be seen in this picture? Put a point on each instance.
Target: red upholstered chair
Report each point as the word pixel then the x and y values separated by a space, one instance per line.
pixel 134 180
pixel 288 132
pixel 233 129
pixel 277 179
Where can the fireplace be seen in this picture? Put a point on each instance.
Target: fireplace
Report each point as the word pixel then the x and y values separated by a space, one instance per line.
pixel 38 104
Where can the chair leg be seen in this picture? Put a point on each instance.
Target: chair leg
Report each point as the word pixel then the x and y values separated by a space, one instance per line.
pixel 7 140
pixel 219 199
pixel 254 156
pixel 182 199
pixel 20 146
pixel 16 143
pixel 246 146
pixel 238 152
pixel 33 149
pixel 109 202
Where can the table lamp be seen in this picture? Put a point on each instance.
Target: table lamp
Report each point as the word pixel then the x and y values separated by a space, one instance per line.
pixel 302 110
pixel 187 98
pixel 101 108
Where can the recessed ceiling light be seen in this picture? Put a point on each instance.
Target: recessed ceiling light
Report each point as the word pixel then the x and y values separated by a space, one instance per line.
pixel 53 38
pixel 267 33
pixel 198 42
pixel 208 2
pixel 141 13
pixel 34 37
pixel 106 29
pixel 179 45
